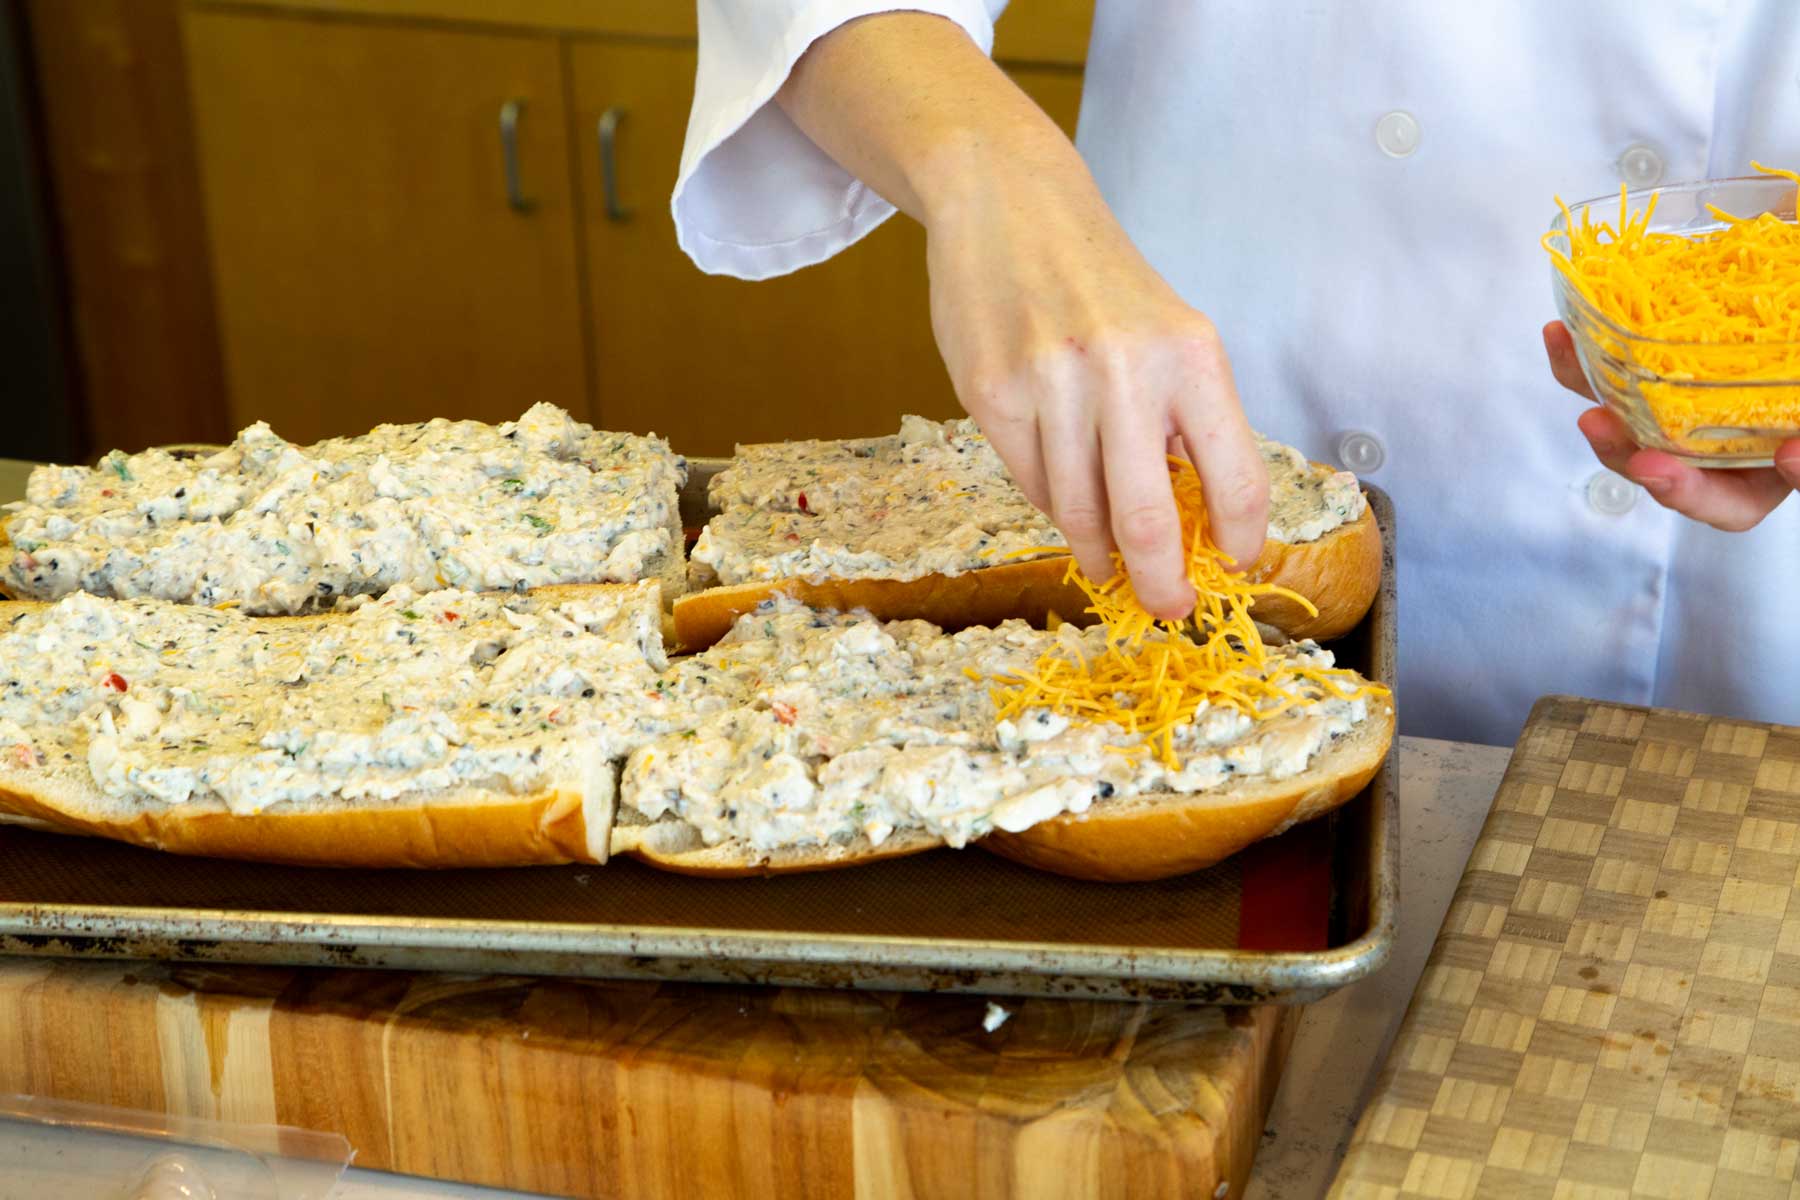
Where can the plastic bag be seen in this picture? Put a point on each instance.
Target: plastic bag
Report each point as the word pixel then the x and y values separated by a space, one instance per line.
pixel 58 1150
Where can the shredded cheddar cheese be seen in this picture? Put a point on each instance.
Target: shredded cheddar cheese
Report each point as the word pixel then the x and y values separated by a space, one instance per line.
pixel 1719 308
pixel 1153 676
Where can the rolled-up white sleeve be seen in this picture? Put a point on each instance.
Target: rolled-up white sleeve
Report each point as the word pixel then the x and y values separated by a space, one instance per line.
pixel 755 197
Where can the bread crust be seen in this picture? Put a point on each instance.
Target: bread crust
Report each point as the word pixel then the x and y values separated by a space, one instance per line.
pixel 478 829
pixel 1156 837
pixel 1028 590
pixel 473 827
pixel 1340 572
pixel 1144 838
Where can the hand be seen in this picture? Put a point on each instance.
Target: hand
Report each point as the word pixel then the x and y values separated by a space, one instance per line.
pixel 1732 500
pixel 1084 368
pixel 1078 361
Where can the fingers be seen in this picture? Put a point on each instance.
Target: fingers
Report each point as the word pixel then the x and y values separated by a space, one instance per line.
pixel 1609 437
pixel 1729 500
pixel 1077 484
pixel 1016 441
pixel 1222 448
pixel 1563 362
pixel 1141 504
pixel 1787 462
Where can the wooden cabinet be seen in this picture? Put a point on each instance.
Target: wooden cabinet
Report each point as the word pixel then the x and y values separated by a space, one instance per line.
pixel 836 350
pixel 368 263
pixel 369 260
pixel 119 161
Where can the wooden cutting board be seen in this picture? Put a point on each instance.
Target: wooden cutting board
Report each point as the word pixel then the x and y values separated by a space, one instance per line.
pixel 1612 1008
pixel 626 1089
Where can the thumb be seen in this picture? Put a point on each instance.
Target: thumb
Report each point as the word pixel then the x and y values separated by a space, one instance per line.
pixel 1787 462
pixel 1564 364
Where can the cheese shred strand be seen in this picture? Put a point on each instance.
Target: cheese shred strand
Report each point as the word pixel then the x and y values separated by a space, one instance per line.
pixel 1720 308
pixel 1153 677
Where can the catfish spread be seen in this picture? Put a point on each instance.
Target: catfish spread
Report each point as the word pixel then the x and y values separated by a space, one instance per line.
pixel 1305 504
pixel 800 728
pixel 169 704
pixel 811 727
pixel 932 499
pixel 277 528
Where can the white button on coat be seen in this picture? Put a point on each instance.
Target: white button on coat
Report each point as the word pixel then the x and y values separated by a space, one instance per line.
pixel 1233 141
pixel 1611 494
pixel 1641 166
pixel 1397 133
pixel 1361 452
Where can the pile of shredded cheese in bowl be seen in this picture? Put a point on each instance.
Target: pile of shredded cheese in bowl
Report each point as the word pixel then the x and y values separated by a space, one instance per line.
pixel 1699 313
pixel 1156 676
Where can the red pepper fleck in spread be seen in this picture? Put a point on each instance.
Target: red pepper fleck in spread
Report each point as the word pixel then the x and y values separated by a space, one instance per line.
pixel 115 682
pixel 803 505
pixel 784 712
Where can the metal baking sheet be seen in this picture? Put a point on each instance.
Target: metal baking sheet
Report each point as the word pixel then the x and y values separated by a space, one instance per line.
pixel 961 921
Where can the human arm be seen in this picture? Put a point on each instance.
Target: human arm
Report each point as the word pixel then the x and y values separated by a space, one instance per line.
pixel 1077 359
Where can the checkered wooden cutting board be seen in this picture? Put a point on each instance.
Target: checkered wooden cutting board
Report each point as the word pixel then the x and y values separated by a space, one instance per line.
pixel 1612 1008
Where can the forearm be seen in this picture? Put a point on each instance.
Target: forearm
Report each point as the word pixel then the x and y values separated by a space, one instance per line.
pixel 909 105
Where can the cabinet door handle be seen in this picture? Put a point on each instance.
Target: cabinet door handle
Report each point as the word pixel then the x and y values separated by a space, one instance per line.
pixel 608 131
pixel 510 112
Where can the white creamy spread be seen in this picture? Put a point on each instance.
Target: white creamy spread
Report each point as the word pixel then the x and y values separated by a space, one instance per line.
pixel 800 728
pixel 175 704
pixel 932 499
pixel 1305 504
pixel 814 727
pixel 279 528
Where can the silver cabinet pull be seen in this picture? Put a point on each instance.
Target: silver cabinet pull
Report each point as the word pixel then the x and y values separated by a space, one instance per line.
pixel 608 130
pixel 510 112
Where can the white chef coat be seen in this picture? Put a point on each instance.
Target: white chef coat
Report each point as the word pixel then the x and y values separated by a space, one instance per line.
pixel 1354 194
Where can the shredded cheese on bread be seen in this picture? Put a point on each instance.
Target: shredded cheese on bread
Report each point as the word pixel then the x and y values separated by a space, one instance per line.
pixel 1155 676
pixel 1721 307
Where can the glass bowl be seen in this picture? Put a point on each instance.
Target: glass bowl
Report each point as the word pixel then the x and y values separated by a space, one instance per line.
pixel 1689 415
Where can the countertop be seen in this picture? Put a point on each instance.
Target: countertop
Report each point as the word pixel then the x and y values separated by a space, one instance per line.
pixel 1445 790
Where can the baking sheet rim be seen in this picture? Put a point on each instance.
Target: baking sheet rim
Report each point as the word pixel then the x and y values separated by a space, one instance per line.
pixel 527 937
